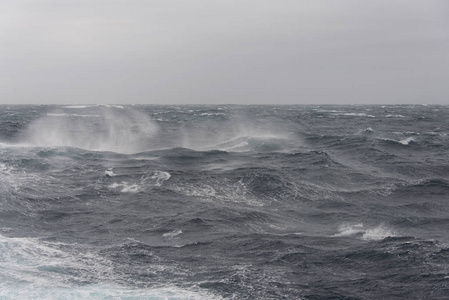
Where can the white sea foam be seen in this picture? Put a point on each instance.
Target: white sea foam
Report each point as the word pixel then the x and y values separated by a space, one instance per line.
pixel 354 115
pixel 221 190
pixel 359 230
pixel 113 106
pixel 329 110
pixel 5 169
pixel 37 263
pixel 160 177
pixel 405 141
pixel 126 187
pixel 79 106
pixel 368 130
pixel 378 233
pixel 246 143
pixel 35 269
pixel 109 172
pixel 394 116
pixel 235 145
pixel 105 291
pixel 212 114
pixel 203 191
pixel 8 181
pixel 156 179
pixel 349 229
pixel 21 182
pixel 72 115
pixel 130 188
pixel 412 133
pixel 172 234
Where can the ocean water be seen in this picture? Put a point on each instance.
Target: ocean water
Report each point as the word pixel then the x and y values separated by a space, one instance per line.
pixel 224 202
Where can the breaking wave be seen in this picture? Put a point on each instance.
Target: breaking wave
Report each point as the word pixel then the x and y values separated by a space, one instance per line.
pixel 359 230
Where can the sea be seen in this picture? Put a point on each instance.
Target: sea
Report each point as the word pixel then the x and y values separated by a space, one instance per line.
pixel 224 202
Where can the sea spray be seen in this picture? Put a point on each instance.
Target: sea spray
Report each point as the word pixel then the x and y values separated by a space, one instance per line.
pixel 232 202
pixel 124 131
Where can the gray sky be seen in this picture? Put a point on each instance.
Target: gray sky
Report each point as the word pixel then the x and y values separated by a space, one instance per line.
pixel 225 51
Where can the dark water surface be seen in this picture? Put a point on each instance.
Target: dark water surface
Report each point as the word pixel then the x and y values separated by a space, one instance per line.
pixel 224 202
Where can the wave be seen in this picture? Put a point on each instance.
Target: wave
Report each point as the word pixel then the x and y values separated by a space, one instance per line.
pixel 127 132
pixel 435 182
pixel 394 116
pixel 208 114
pixel 79 106
pixel 103 291
pixel 353 114
pixel 435 186
pixel 72 115
pixel 112 106
pixel 36 262
pixel 25 180
pixel 368 130
pixel 154 179
pixel 37 269
pixel 251 143
pixel 360 231
pixel 404 142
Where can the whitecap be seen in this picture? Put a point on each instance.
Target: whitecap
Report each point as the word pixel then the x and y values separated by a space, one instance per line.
pixel 36 269
pixel 378 233
pixel 394 116
pixel 354 115
pixel 406 141
pixel 358 230
pixel 71 115
pixel 160 177
pixel 156 179
pixel 172 234
pixel 212 114
pixel 203 191
pixel 221 190
pixel 349 229
pixel 79 106
pixel 126 187
pixel 114 106
pixel 109 172
pixel 104 291
pixel 368 130
pixel 39 263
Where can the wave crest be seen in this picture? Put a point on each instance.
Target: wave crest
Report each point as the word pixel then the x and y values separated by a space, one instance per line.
pixel 369 234
pixel 128 131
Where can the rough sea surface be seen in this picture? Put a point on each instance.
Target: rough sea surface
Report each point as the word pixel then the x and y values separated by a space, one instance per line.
pixel 224 202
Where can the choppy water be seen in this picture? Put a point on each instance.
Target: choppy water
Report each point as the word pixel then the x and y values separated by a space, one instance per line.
pixel 224 202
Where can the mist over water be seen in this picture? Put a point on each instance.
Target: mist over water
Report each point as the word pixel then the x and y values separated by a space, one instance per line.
pixel 108 129
pixel 224 202
pixel 128 130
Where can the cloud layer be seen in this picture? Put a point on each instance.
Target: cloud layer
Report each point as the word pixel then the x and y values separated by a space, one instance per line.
pixel 265 51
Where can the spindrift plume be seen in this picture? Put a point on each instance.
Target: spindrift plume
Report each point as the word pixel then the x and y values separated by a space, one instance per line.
pixel 104 129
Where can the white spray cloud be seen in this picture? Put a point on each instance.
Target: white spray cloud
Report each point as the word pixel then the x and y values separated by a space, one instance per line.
pixel 124 131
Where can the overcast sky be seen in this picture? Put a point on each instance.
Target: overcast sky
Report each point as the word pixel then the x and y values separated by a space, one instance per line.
pixel 224 51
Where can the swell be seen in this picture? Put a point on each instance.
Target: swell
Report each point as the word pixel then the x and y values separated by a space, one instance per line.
pixel 315 192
